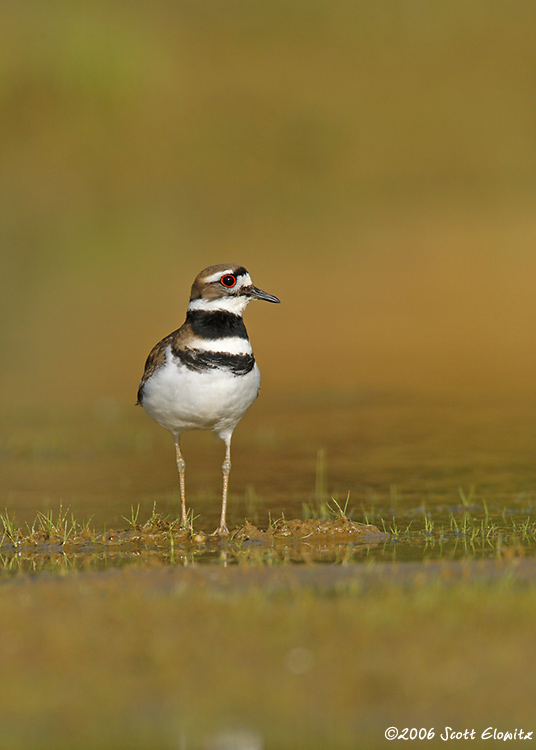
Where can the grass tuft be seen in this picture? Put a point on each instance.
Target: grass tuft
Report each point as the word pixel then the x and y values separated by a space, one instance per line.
pixel 10 530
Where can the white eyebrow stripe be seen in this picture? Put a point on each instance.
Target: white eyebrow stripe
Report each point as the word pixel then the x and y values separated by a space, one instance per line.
pixel 217 276
pixel 243 279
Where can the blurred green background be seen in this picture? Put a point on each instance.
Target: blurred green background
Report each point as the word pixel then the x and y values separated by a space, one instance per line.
pixel 371 163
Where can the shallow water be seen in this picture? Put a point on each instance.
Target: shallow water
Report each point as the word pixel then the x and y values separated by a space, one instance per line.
pixel 440 479
pixel 160 621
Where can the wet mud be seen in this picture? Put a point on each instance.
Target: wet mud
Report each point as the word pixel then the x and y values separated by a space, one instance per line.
pixel 162 541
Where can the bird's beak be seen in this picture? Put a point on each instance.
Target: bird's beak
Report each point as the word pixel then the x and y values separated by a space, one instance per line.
pixel 259 294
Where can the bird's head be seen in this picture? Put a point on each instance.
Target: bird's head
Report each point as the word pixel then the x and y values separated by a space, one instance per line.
pixel 227 286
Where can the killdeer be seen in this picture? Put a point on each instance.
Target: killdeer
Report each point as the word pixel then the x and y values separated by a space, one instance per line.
pixel 204 375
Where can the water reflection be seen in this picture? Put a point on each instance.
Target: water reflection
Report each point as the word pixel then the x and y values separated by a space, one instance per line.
pixel 441 480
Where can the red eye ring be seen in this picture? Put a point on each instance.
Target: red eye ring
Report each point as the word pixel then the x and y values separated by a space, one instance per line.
pixel 228 280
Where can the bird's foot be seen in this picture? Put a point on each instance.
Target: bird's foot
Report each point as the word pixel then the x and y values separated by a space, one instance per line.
pixel 222 530
pixel 186 525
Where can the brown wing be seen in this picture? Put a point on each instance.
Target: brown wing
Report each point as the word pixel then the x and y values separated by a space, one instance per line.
pixel 156 358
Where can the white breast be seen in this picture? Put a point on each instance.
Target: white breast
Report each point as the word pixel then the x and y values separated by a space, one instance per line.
pixel 181 399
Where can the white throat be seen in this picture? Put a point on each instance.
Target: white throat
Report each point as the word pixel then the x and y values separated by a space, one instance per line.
pixel 234 305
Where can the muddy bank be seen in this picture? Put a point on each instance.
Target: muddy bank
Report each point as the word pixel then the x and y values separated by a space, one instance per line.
pixel 160 541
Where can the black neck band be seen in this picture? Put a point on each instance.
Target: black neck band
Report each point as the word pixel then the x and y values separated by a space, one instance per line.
pixel 216 324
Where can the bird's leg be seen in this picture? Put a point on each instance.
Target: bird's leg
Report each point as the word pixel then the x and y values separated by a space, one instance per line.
pixel 222 529
pixel 181 466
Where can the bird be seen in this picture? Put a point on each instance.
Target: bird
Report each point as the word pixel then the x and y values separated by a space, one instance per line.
pixel 204 376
